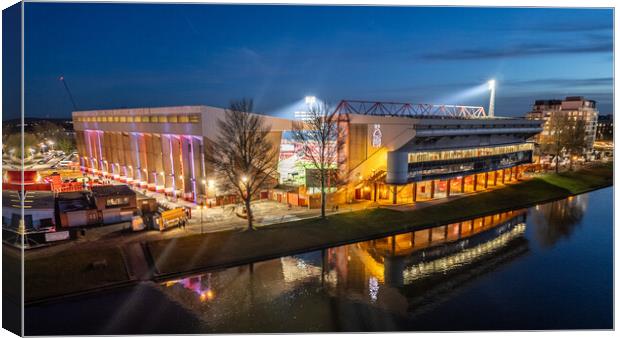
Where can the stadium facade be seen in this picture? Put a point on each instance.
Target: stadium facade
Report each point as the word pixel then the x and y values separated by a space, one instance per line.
pixel 393 153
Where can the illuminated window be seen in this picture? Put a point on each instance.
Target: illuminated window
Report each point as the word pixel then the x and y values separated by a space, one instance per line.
pixel 467 153
pixel 145 118
pixel 172 119
pixel 163 119
pixel 117 118
pixel 123 119
pixel 194 118
pixel 153 119
pixel 183 119
pixel 129 119
pixel 117 202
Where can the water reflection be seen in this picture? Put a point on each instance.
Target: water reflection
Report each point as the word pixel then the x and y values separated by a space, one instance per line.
pixel 401 275
pixel 557 220
pixel 481 274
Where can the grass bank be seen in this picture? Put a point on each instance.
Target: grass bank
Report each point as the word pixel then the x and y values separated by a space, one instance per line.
pixel 198 252
pixel 72 272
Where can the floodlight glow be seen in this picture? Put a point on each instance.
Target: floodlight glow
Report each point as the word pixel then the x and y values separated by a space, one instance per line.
pixel 310 99
pixel 491 84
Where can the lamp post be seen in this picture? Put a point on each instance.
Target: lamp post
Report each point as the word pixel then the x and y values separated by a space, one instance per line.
pixel 202 207
pixel 211 187
pixel 205 191
pixel 492 98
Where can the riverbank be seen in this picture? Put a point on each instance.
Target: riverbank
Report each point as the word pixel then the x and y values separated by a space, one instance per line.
pixel 73 272
pixel 200 252
pixel 70 273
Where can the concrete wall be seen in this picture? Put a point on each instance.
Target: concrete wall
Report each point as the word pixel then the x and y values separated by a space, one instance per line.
pixel 139 152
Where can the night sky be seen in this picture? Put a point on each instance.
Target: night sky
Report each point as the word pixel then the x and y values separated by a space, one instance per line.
pixel 143 55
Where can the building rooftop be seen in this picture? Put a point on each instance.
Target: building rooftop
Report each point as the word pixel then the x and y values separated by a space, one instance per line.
pixel 33 199
pixel 412 110
pixel 112 190
pixel 72 201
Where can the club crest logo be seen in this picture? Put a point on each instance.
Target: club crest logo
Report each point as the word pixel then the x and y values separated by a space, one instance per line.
pixel 376 136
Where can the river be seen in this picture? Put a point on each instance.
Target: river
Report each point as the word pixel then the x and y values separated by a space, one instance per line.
pixel 546 267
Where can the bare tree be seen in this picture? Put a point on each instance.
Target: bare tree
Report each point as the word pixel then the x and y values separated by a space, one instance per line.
pixel 575 140
pixel 243 155
pixel 322 138
pixel 554 142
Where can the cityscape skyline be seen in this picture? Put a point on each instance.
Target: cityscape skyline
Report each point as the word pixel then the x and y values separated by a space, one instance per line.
pixel 278 54
pixel 261 169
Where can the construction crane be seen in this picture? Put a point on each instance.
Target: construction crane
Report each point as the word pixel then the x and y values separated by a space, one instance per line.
pixel 62 79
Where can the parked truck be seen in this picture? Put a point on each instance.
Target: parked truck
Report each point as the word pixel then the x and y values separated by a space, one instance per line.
pixel 170 218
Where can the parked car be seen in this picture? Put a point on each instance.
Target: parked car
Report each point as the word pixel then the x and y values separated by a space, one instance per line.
pixel 64 163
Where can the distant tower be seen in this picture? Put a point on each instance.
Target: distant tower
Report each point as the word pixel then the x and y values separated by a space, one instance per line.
pixel 492 99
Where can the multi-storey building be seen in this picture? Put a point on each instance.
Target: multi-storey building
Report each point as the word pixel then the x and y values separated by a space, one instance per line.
pixel 392 153
pixel 575 107
pixel 605 128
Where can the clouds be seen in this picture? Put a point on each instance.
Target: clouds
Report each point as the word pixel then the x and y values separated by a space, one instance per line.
pixel 565 82
pixel 568 37
pixel 519 50
pixel 179 54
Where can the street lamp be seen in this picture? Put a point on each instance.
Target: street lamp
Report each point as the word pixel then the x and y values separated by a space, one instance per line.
pixel 244 180
pixel 491 84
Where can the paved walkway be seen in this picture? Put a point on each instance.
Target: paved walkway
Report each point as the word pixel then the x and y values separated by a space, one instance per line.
pixel 221 218
pixel 214 220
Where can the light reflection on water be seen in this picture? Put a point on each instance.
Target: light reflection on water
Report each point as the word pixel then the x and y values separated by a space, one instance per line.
pixel 370 272
pixel 524 270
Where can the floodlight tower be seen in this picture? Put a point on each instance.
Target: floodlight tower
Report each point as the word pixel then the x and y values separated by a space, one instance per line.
pixel 305 113
pixel 492 98
pixel 310 100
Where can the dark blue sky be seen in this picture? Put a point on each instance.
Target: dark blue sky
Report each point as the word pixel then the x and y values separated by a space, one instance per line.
pixel 135 55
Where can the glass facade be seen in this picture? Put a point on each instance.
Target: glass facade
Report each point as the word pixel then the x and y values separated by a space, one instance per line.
pixel 458 167
pixel 443 155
